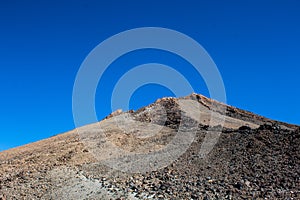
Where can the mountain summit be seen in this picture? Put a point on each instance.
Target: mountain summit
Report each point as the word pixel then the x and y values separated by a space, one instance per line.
pixel 176 148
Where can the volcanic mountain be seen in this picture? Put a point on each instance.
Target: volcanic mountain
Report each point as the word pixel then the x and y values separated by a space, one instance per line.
pixel 176 148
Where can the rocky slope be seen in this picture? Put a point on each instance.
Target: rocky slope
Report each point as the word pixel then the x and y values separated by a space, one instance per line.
pixel 186 148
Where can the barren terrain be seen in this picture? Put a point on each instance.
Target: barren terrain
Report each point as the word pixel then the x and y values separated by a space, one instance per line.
pixel 186 148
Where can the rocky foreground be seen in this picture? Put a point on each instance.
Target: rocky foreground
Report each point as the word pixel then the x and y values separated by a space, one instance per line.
pixel 252 158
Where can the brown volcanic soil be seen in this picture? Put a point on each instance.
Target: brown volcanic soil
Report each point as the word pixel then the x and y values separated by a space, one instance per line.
pixel 254 158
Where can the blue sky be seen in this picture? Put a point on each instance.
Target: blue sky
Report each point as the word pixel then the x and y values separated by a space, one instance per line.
pixel 255 44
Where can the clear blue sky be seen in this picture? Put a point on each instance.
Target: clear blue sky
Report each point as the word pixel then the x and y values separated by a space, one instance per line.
pixel 255 44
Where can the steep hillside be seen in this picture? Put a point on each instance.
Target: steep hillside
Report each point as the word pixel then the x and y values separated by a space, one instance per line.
pixel 175 148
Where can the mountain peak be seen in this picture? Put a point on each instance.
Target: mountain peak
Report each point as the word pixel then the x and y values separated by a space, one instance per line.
pixel 175 148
